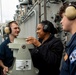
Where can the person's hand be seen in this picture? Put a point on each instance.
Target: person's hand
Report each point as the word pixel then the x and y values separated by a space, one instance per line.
pixel 32 40
pixel 5 70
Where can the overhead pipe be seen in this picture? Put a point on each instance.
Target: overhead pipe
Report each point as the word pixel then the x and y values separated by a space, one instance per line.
pixel 26 17
pixel 45 12
pixel 39 11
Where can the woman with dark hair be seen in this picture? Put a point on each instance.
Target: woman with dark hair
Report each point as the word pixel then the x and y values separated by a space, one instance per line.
pixel 48 50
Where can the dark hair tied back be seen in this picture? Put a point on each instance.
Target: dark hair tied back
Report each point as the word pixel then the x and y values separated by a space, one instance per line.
pixel 50 27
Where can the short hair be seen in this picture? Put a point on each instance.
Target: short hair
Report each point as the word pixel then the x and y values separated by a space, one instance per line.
pixel 62 9
pixel 65 5
pixel 9 24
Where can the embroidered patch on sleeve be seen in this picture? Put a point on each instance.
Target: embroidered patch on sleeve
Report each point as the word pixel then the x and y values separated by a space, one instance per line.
pixel 73 56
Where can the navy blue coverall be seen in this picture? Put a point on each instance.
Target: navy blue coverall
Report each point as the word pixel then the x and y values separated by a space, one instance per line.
pixel 69 65
pixel 6 55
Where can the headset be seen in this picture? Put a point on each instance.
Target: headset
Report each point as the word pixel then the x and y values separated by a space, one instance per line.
pixel 70 12
pixel 8 29
pixel 46 28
